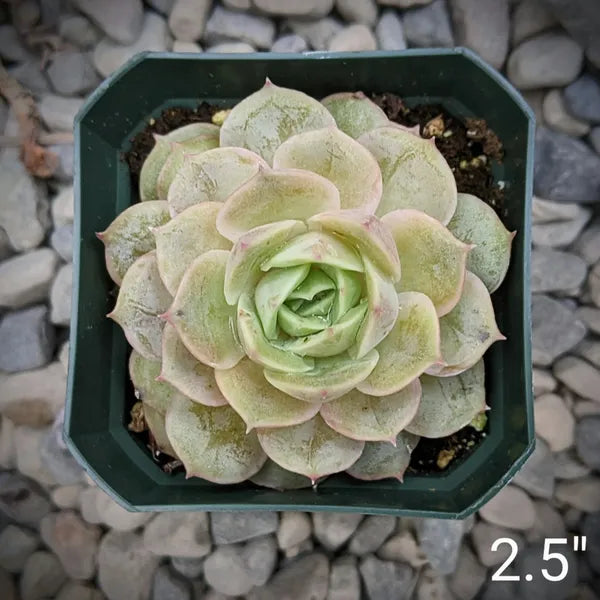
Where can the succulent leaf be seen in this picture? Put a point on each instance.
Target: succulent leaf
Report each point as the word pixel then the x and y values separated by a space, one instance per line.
pixel 354 113
pixel 381 460
pixel 415 174
pixel 434 261
pixel 142 299
pixel 475 222
pixel 129 236
pixel 276 477
pixel 272 196
pixel 264 120
pixel 257 401
pixel 212 176
pixel 370 418
pixel 203 319
pixel 184 238
pixel 294 324
pixel 348 290
pixel 212 442
pixel 314 283
pixel 412 346
pixel 187 374
pixel 329 379
pixel 312 448
pixel 333 154
pixel 365 232
pixel 449 403
pixel 468 330
pixel 156 425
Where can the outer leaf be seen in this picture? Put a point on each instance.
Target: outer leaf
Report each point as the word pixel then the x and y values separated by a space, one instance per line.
pixel 367 233
pixel 258 348
pixel 144 375
pixel 203 319
pixel 381 460
pixel 331 378
pixel 253 249
pixel 333 154
pixel 449 403
pixel 276 477
pixel 475 222
pixel 184 372
pixel 382 312
pixel 412 346
pixel 415 174
pixel 433 259
pixel 264 120
pixel 212 442
pixel 257 401
pixel 276 196
pixel 129 236
pixel 316 247
pixel 142 298
pixel 368 418
pixel 212 176
pixel 468 330
pixel 156 425
pixel 183 239
pixel 312 449
pixel 354 113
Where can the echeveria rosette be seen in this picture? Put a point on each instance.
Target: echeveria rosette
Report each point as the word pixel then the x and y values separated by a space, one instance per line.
pixel 305 292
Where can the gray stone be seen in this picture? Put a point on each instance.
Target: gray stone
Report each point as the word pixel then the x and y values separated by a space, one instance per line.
pixel 181 534
pixel 231 527
pixel 21 499
pixel 24 211
pixel 353 38
pixel 26 339
pixel 34 397
pixel 579 376
pixel 566 169
pixel 191 568
pixel 590 316
pixel 11 46
pixel 390 32
pixel 290 42
pixel 358 11
pixel 468 577
pixel 62 241
pixel 595 139
pixel 431 584
pixel 567 466
pixel 536 476
pixel 344 580
pixel 548 523
pixel 187 19
pixel 294 528
pixel 484 535
pixel 543 382
pixel 231 48
pixel 483 26
pixel 556 271
pixel 384 579
pixel 529 18
pixel 116 517
pixel 305 578
pixel 440 541
pixel 71 72
pixel 559 118
pixel 62 206
pixel 594 284
pixel 110 55
pixel 65 154
pixel 164 7
pixel 316 33
pixel 78 30
pixel 63 356
pixel 511 507
pixel 586 408
pixel 556 329
pixel 58 112
pixel 548 60
pixel 371 534
pixel 554 422
pixel 403 3
pixel 238 4
pixel 333 530
pixel 120 19
pixel 42 576
pixel 57 459
pixel 429 25
pixel 582 494
pixel 28 445
pixel 186 47
pixel 7 445
pixel 169 586
pixel 67 496
pixel 582 98
pixel 26 14
pixel 310 9
pixel 544 212
pixel 30 75
pixel 73 541
pixel 591 529
pixel 60 296
pixel 125 567
pixel 74 590
pixel 560 233
pixel 403 547
pixel 225 25
pixel 8 590
pixel 16 546
pixel 587 440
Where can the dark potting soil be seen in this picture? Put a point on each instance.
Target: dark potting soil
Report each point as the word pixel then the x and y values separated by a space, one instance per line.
pixel 469 146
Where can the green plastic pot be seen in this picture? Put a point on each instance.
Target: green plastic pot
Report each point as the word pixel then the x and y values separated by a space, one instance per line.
pixel 98 389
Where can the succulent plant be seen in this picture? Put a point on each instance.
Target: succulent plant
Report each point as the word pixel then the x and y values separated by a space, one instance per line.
pixel 305 292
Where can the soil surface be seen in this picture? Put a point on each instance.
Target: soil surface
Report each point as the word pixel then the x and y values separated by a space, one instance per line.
pixel 469 146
